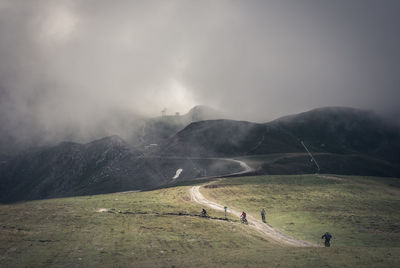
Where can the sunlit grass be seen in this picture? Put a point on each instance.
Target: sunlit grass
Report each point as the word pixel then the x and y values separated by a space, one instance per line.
pixel 357 211
pixel 70 232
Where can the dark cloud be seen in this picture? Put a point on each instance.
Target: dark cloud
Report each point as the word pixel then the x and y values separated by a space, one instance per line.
pixel 72 66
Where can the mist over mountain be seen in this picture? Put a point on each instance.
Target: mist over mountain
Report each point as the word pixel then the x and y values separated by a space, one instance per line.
pixel 132 117
pixel 156 130
pixel 137 130
pixel 342 140
pixel 72 70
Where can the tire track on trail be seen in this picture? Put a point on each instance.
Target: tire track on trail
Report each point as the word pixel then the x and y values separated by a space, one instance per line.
pixel 267 230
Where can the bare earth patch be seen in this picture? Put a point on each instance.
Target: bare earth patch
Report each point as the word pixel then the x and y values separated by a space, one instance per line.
pixel 102 210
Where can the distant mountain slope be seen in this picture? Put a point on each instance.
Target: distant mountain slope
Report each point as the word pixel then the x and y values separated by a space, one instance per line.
pixel 335 130
pixel 102 166
pixel 345 141
pixel 344 130
pixel 229 138
pixel 344 135
pixel 66 169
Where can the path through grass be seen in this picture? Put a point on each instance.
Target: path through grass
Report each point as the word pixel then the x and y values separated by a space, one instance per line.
pixel 358 211
pixel 69 232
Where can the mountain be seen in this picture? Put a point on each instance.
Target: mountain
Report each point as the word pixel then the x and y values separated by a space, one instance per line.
pixel 102 166
pixel 64 169
pixel 341 136
pixel 342 140
pixel 344 130
pixel 230 138
pixel 334 130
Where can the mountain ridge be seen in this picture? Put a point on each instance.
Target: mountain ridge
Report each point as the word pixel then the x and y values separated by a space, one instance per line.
pixel 345 141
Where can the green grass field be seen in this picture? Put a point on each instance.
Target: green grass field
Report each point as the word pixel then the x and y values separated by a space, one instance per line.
pixel 136 232
pixel 358 211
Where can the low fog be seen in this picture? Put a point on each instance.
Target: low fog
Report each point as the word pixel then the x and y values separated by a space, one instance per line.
pixel 76 69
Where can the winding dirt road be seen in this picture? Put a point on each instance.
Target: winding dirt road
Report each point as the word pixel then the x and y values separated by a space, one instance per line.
pixel 267 230
pixel 246 168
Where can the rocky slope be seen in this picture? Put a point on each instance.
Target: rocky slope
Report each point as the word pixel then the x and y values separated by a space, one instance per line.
pixel 102 166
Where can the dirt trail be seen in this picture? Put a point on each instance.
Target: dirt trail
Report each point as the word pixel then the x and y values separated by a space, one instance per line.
pixel 246 168
pixel 330 177
pixel 265 229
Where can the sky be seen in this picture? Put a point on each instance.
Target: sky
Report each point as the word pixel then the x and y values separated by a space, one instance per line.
pixel 73 66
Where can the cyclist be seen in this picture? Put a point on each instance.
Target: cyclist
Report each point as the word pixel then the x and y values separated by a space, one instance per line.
pixel 327 237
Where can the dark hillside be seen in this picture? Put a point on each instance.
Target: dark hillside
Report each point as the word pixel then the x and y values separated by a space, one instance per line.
pixel 353 142
pixel 333 130
pixel 103 166
pixel 344 131
pixel 230 138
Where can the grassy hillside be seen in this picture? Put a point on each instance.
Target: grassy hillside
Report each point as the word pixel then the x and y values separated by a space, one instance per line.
pixel 144 229
pixel 358 211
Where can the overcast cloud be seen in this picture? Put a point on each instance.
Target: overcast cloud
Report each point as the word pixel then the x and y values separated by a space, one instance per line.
pixel 67 66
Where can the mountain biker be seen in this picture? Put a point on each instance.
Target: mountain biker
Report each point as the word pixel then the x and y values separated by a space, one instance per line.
pixel 243 217
pixel 263 215
pixel 204 213
pixel 327 237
